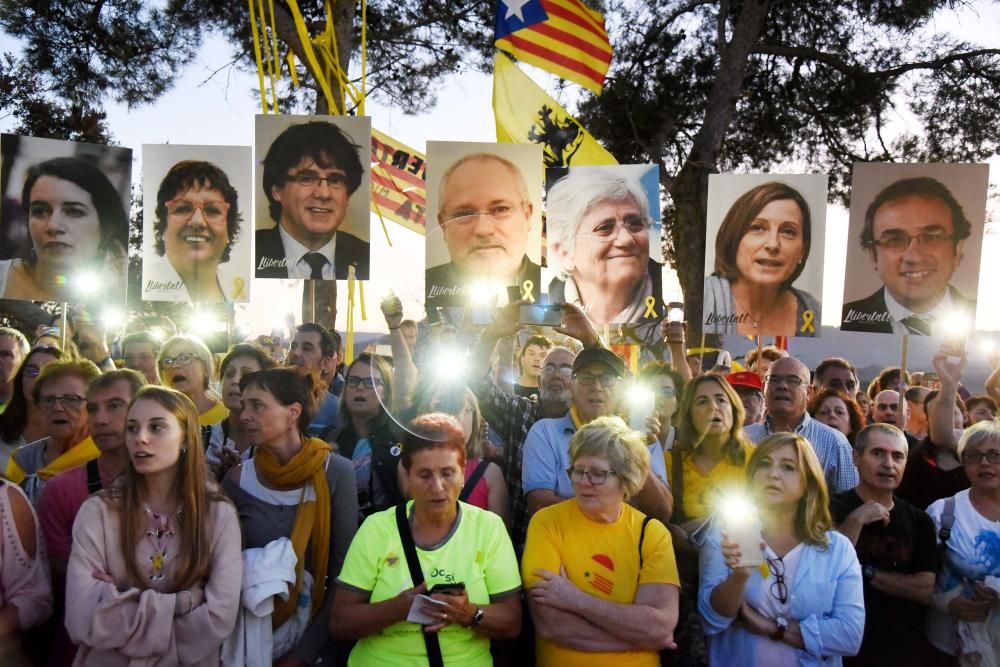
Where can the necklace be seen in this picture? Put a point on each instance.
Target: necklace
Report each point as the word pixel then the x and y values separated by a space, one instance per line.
pixel 159 535
pixel 755 321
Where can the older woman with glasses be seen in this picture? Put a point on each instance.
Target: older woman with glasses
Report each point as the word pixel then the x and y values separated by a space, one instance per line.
pixel 186 364
pixel 60 393
pixel 804 605
pixel 23 422
pixel 959 621
pixel 601 577
pixel 599 231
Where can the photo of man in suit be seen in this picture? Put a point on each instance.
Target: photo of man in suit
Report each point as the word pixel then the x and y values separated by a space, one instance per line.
pixel 310 172
pixel 915 234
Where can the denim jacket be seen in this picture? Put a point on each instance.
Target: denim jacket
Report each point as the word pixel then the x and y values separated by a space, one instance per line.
pixel 826 599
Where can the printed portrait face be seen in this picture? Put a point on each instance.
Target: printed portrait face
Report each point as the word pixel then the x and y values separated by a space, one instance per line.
pixel 313 201
pixel 196 232
pixel 772 244
pixel 63 223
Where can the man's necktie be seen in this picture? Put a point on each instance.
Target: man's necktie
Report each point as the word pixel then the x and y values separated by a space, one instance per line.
pixel 916 325
pixel 316 262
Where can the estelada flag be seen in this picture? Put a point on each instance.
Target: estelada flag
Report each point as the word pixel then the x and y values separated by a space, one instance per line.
pixel 526 114
pixel 399 187
pixel 564 37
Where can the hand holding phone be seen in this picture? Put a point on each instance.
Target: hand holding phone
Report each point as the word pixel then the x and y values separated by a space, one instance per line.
pixel 546 315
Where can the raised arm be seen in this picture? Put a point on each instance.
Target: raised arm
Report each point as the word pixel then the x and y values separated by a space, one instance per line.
pixel 404 372
pixel 949 364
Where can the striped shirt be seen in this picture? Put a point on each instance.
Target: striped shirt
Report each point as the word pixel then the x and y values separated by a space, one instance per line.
pixel 830 445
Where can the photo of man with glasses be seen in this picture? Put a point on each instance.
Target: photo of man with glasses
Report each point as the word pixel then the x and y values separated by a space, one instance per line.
pixel 484 219
pixel 916 234
pixel 310 172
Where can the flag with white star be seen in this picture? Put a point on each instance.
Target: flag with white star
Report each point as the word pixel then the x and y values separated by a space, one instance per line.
pixel 564 37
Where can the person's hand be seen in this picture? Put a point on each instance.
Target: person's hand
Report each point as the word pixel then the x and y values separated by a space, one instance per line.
pixel 228 457
pixel 576 324
pixel 653 429
pixel 672 332
pixel 556 590
pixel 392 309
pixel 458 611
pixel 973 610
pixel 754 621
pixel 870 512
pixel 949 362
pixel 984 593
pixel 102 576
pixel 405 600
pixel 732 555
pixel 505 321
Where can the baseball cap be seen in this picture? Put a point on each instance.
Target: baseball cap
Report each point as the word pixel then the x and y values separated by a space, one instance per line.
pixel 746 379
pixel 602 355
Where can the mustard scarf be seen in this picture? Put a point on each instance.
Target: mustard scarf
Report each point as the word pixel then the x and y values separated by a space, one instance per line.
pixel 312 519
pixel 77 455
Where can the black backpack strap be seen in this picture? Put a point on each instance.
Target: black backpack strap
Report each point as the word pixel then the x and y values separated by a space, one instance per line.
pixel 473 480
pixel 677 484
pixel 417 575
pixel 206 437
pixel 944 532
pixel 93 477
pixel 642 537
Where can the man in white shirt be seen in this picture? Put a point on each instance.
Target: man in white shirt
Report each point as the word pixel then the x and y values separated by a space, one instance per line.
pixel 310 172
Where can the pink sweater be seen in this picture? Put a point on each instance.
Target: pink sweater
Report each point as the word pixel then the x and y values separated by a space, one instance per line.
pixel 138 627
pixel 24 578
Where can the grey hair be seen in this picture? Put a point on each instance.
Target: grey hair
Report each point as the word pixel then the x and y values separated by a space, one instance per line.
pixel 984 431
pixel 611 438
pixel 574 195
pixel 202 352
pixel 515 171
pixel 861 442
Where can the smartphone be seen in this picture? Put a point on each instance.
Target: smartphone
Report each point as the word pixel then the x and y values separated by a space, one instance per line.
pixel 448 589
pixel 548 315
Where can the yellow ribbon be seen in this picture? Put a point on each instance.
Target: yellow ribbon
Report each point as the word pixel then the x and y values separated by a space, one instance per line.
pixel 807 319
pixel 349 342
pixel 256 53
pixel 303 32
pixel 526 291
pixel 650 307
pixel 291 69
pixel 273 62
pixel 238 286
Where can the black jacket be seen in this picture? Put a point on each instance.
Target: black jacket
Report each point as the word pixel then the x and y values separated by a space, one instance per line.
pixel 270 261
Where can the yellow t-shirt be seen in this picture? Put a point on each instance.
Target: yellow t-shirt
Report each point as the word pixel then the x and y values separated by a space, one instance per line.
pixel 213 415
pixel 701 491
pixel 601 559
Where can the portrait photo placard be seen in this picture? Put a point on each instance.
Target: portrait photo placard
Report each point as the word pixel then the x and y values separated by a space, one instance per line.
pixel 484 222
pixel 65 221
pixel 915 240
pixel 196 223
pixel 312 180
pixel 764 244
pixel 603 241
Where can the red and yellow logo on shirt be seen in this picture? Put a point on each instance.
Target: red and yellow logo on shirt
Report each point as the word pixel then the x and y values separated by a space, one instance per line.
pixel 598 580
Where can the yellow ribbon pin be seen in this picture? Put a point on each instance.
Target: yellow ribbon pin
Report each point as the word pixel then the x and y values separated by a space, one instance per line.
pixel 526 291
pixel 650 307
pixel 807 322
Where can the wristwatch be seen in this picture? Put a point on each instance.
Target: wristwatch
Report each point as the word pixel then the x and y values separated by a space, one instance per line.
pixel 477 618
pixel 868 572
pixel 779 631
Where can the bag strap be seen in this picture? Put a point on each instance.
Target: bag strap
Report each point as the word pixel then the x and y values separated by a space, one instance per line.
pixel 677 485
pixel 470 484
pixel 642 537
pixel 417 575
pixel 944 532
pixel 93 477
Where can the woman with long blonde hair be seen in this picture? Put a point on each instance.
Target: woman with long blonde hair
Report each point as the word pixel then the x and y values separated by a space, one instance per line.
pixel 804 605
pixel 155 569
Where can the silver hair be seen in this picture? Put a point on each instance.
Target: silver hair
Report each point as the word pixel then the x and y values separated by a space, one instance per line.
pixel 984 431
pixel 574 195
pixel 625 450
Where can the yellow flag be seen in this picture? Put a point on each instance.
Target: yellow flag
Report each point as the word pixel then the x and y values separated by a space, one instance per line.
pixel 527 114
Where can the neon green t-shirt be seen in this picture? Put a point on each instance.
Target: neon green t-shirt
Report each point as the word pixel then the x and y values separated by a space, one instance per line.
pixel 478 553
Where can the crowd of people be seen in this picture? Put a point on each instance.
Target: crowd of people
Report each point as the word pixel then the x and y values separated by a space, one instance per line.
pixel 272 505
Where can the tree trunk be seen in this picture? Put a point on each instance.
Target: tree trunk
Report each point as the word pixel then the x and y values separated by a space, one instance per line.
pixel 326 302
pixel 689 189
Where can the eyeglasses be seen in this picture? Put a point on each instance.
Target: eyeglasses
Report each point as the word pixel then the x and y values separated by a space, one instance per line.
pixel 310 179
pixel 595 477
pixel 991 456
pixel 551 369
pixel 354 381
pixel 667 392
pixel 633 224
pixel 607 380
pixel 793 381
pixel 182 359
pixel 498 213
pixel 899 241
pixel 211 211
pixel 68 401
pixel 778 588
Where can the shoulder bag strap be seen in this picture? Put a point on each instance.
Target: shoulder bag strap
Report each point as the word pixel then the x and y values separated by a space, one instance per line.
pixel 642 537
pixel 947 521
pixel 93 477
pixel 417 575
pixel 677 484
pixel 473 480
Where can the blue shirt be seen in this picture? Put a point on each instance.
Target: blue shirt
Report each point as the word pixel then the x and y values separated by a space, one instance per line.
pixel 326 416
pixel 826 599
pixel 546 457
pixel 831 447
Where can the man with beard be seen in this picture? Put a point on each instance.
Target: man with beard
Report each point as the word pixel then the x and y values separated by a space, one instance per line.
pixel 310 172
pixel 897 548
pixel 786 392
pixel 316 350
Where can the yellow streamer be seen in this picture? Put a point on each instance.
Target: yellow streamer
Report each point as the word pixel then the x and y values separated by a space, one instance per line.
pixel 364 55
pixel 256 53
pixel 291 69
pixel 807 319
pixel 650 307
pixel 361 297
pixel 274 59
pixel 349 342
pixel 267 51
pixel 303 33
pixel 334 60
pixel 385 228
